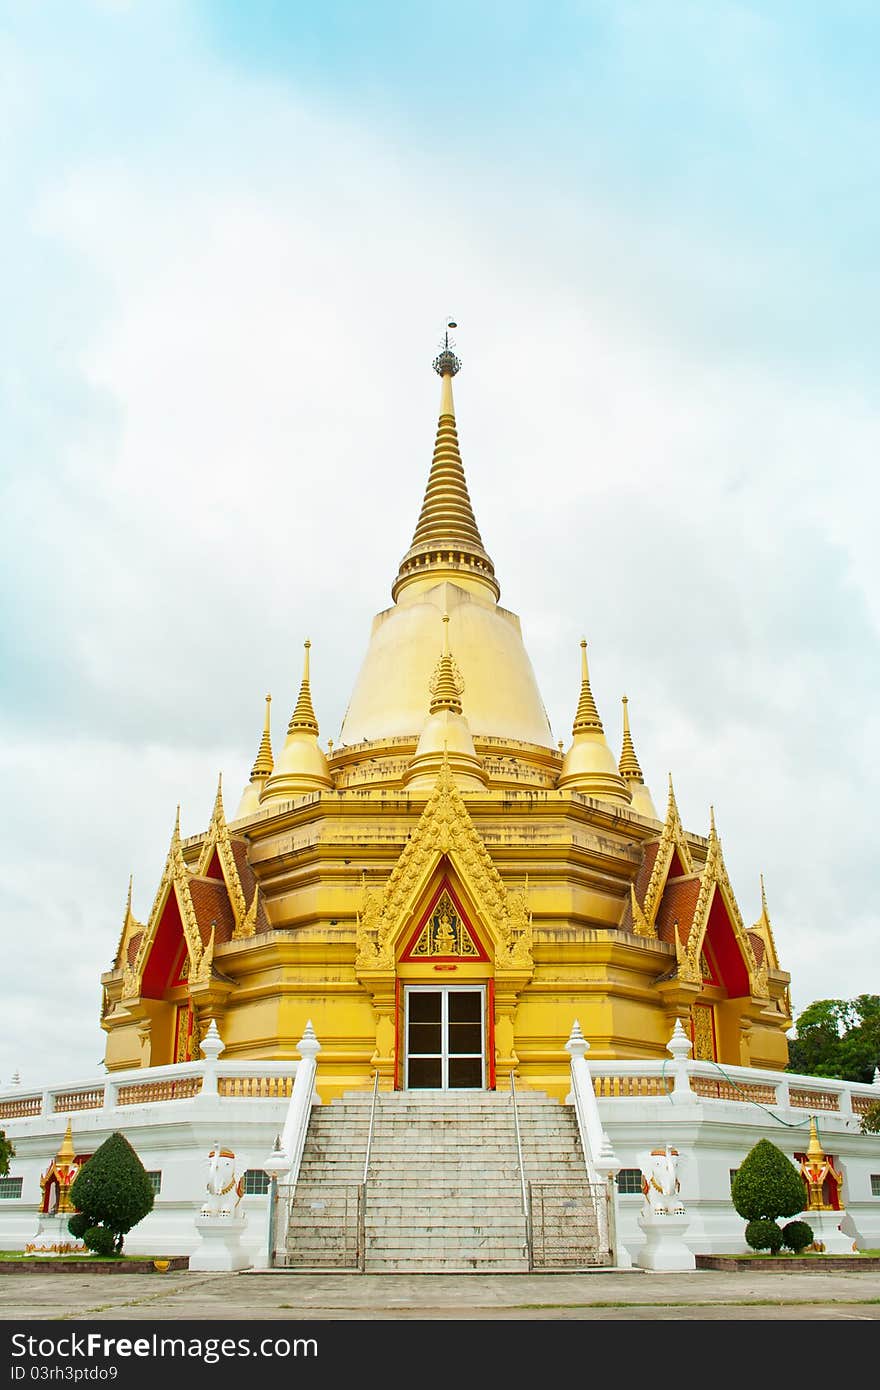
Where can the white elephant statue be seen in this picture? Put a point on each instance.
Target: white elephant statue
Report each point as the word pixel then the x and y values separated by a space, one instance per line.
pixel 224 1190
pixel 660 1183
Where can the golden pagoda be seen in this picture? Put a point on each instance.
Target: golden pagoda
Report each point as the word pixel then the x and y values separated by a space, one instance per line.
pixel 444 890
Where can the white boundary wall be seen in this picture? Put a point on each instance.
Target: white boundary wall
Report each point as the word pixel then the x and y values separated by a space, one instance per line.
pixel 714 1120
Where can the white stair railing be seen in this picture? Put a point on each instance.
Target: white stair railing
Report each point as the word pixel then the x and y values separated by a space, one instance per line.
pixel 599 1157
pixel 285 1161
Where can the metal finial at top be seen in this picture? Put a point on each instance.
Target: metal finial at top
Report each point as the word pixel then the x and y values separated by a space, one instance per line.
pixel 446 363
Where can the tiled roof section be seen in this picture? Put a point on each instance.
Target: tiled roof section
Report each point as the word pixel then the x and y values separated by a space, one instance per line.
pixel 643 878
pixel 133 947
pixel 758 945
pixel 211 903
pixel 677 904
pixel 248 882
pixel 646 868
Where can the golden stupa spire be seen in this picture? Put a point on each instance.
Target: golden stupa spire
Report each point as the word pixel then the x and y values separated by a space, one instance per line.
pixel 815 1152
pixel 303 716
pixel 446 536
pixel 67 1153
pixel 264 762
pixel 587 716
pixel 629 763
pixel 445 694
pixel 589 765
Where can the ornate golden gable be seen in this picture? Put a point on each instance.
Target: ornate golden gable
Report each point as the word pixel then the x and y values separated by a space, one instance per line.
pixel 445 829
pixel 714 878
pixel 218 838
pixel 672 838
pixel 175 876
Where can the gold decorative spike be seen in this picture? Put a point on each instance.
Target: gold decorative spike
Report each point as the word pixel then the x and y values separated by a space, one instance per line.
pixel 445 685
pixel 303 716
pixel 629 763
pixel 130 927
pixel 587 716
pixel 446 531
pixel 67 1153
pixel 672 840
pixel 765 931
pixel 218 838
pixel 641 925
pixel 264 761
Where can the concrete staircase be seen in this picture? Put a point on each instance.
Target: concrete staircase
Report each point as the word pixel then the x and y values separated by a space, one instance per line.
pixel 443 1191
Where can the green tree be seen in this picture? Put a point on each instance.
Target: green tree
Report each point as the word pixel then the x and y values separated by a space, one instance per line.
pixel 112 1191
pixel 767 1186
pixel 838 1037
pixel 6 1153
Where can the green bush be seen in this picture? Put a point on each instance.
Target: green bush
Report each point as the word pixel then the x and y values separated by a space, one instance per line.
pixel 78 1225
pixel 871 1119
pixel 767 1185
pixel 797 1235
pixel 112 1189
pixel 100 1240
pixel 6 1153
pixel 763 1234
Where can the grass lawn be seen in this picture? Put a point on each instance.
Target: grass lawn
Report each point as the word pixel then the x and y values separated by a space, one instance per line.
pixel 82 1255
pixel 803 1255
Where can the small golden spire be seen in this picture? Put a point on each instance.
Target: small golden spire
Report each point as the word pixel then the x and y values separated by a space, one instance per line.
pixel 764 912
pixel 445 693
pixel 713 833
pixel 303 716
pixel 131 884
pixel 629 763
pixel 815 1152
pixel 175 834
pixel 587 716
pixel 264 761
pixel 67 1153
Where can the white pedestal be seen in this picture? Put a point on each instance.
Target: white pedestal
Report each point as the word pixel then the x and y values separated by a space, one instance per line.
pixel 53 1238
pixel 219 1246
pixel 664 1247
pixel 826 1229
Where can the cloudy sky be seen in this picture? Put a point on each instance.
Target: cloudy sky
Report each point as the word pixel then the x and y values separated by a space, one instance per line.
pixel 230 235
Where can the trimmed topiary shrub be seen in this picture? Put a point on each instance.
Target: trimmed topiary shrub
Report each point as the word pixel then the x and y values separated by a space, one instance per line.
pixel 797 1235
pixel 78 1225
pixel 767 1186
pixel 762 1234
pixel 100 1240
pixel 112 1190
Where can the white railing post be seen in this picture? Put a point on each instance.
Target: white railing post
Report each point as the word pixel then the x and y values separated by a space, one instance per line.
pixel 293 1136
pixel 211 1046
pixel 679 1046
pixel 276 1165
pixel 111 1092
pixel 783 1094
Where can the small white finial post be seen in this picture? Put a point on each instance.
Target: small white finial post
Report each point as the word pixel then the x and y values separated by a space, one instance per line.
pixel 679 1046
pixel 876 1076
pixel 211 1046
pixel 577 1044
pixel 308 1045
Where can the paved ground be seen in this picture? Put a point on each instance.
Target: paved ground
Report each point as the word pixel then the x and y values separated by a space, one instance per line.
pixel 634 1295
